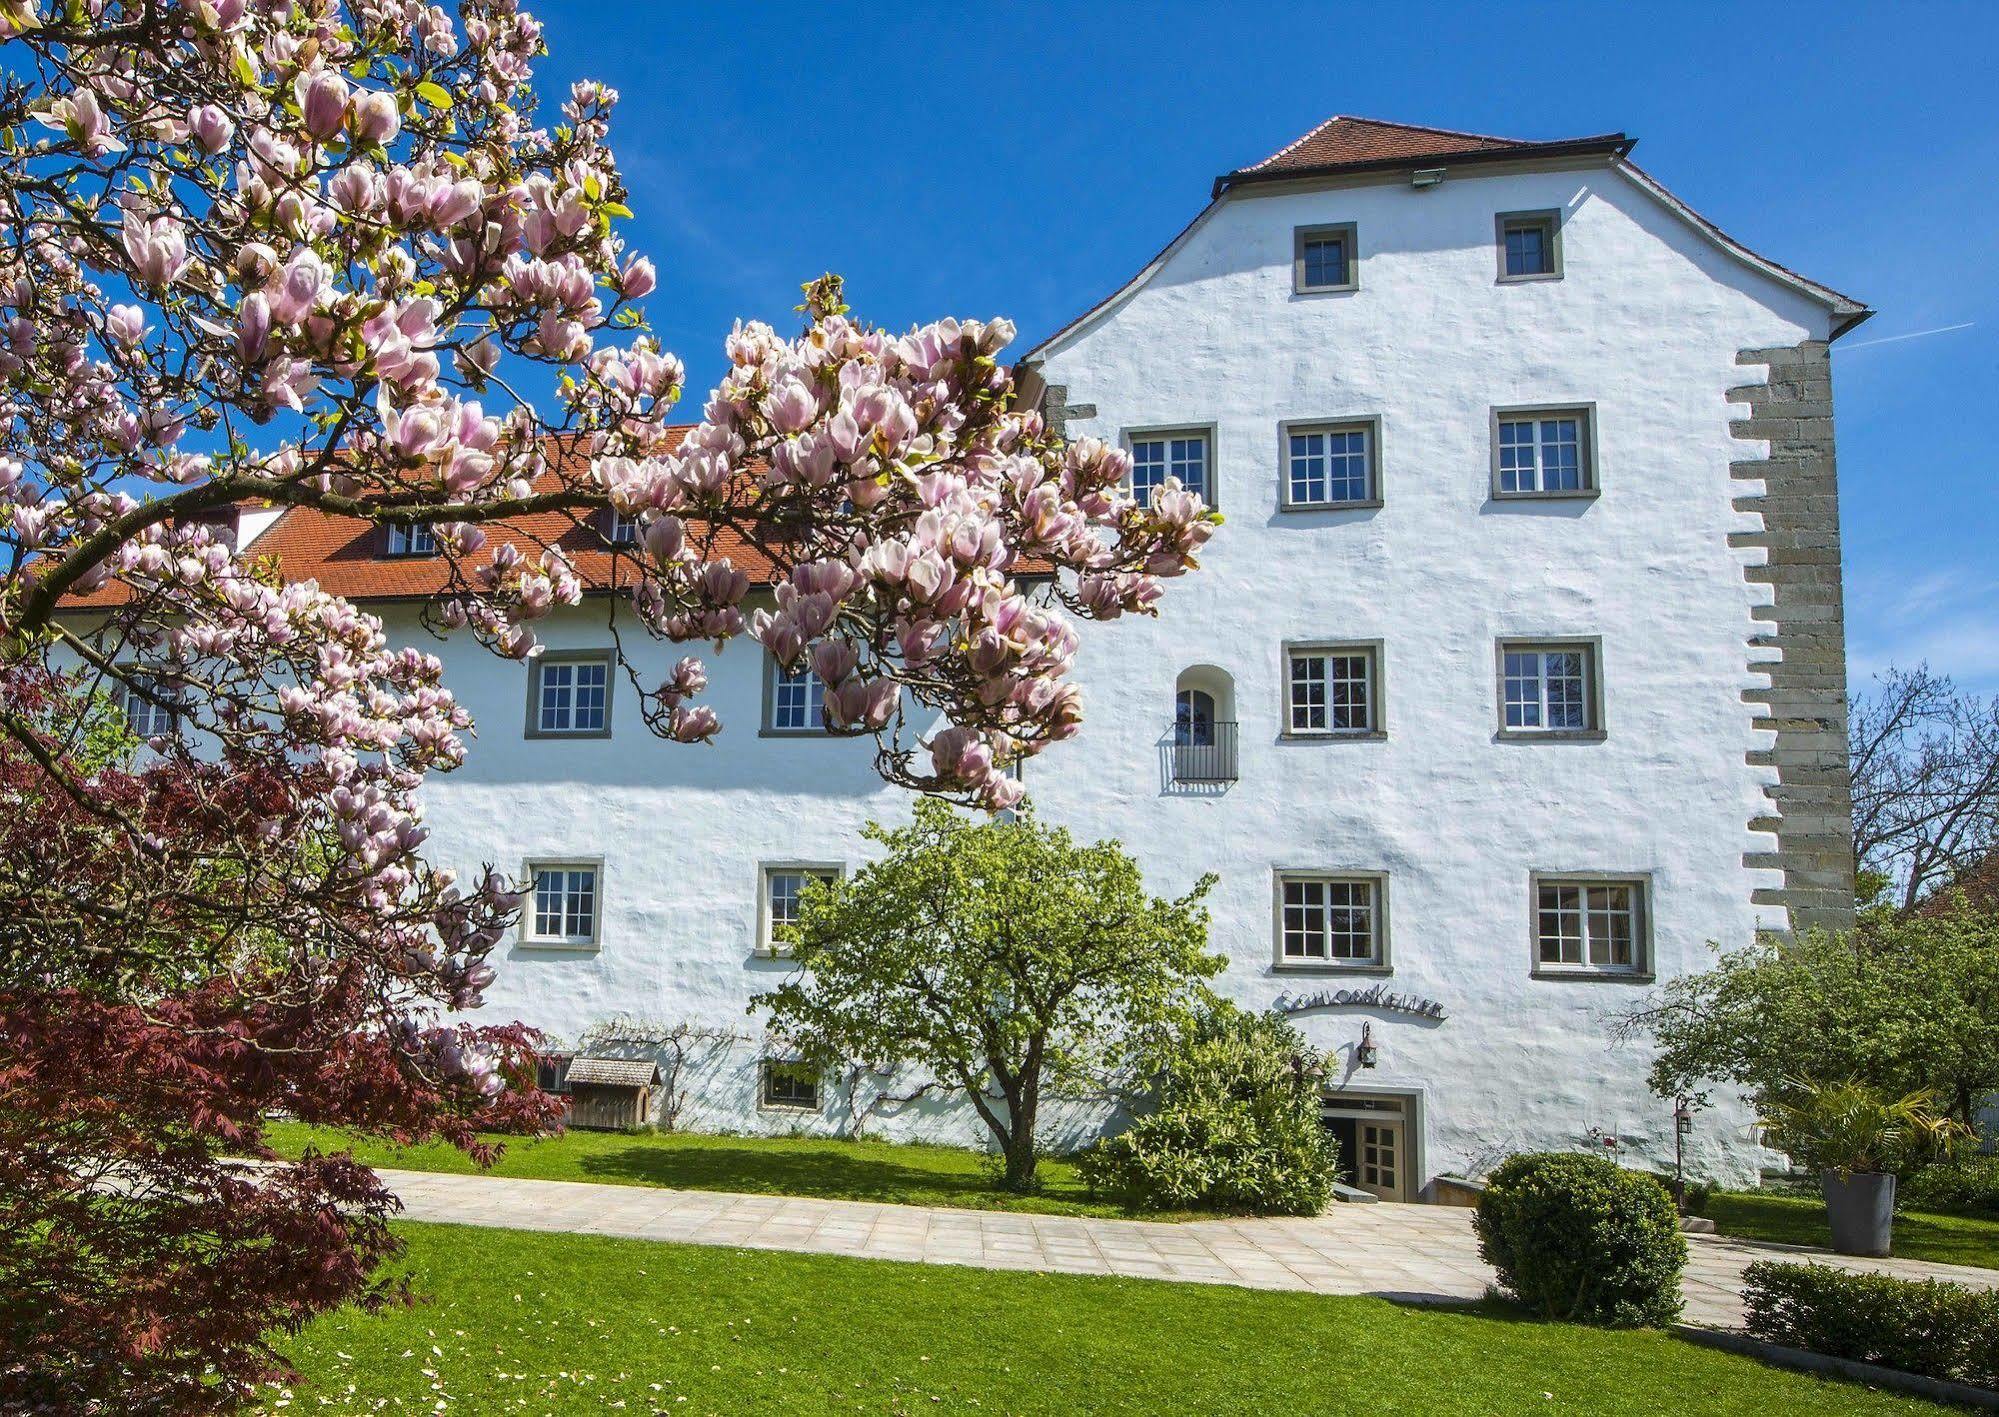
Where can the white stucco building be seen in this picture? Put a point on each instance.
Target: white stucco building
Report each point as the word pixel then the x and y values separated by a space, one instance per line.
pixel 1512 682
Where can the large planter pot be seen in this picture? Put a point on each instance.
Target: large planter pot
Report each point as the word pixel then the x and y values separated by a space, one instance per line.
pixel 1861 1210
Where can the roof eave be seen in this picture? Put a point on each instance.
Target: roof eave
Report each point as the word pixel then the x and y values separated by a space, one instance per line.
pixel 1602 145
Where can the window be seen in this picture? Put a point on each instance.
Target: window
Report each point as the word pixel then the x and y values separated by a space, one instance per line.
pixel 570 696
pixel 782 887
pixel 551 1071
pixel 1158 456
pixel 1548 688
pixel 1194 718
pixel 563 906
pixel 1324 258
pixel 412 541
pixel 619 529
pixel 1332 689
pixel 1330 464
pixel 1530 245
pixel 1543 452
pixel 148 706
pixel 1590 925
pixel 794 700
pixel 1333 921
pixel 790 1084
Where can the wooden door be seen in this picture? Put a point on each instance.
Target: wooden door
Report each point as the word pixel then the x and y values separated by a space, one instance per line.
pixel 1379 1165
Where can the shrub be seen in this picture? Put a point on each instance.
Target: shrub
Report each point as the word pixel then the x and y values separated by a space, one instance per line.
pixel 1575 1237
pixel 1235 1126
pixel 1918 1325
pixel 1966 1182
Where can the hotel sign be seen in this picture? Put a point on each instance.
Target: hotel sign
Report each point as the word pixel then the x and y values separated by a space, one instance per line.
pixel 1375 996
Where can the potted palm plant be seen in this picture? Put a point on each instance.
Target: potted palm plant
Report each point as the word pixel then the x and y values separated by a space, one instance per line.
pixel 1857 1138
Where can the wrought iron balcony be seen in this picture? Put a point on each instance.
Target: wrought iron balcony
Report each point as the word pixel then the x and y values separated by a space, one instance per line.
pixel 1203 752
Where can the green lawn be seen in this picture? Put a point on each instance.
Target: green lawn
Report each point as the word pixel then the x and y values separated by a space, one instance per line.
pixel 791 1166
pixel 562 1324
pixel 1800 1220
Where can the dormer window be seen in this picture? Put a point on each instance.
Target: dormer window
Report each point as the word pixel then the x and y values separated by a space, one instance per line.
pixel 412 541
pixel 1530 246
pixel 619 529
pixel 1323 259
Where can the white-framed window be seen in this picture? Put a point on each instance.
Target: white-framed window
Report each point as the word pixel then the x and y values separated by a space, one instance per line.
pixel 1332 920
pixel 564 904
pixel 1543 452
pixel 788 1084
pixel 783 884
pixel 1330 464
pixel 569 695
pixel 1548 688
pixel 148 706
pixel 412 540
pixel 1332 690
pixel 619 529
pixel 1591 925
pixel 794 699
pixel 1184 453
pixel 1530 245
pixel 1324 258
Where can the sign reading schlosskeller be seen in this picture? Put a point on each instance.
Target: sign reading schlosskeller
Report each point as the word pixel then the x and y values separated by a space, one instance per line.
pixel 1375 996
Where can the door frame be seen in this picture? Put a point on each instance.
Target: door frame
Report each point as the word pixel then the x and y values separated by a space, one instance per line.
pixel 1412 1159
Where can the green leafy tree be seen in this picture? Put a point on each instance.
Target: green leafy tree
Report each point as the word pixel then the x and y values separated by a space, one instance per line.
pixel 999 957
pixel 1906 1004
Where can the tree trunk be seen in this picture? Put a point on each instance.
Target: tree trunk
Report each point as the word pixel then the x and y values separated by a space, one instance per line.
pixel 1021 1156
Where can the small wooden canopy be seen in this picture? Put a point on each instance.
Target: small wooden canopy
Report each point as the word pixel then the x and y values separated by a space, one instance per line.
pixel 614 1072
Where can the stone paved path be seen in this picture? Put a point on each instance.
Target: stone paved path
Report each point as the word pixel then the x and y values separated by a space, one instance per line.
pixel 1411 1252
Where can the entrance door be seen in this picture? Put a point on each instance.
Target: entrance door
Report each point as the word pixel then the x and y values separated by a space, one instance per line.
pixel 1378 1167
pixel 1372 1130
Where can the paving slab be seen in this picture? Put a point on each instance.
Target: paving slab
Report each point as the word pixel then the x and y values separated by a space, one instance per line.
pixel 1418 1253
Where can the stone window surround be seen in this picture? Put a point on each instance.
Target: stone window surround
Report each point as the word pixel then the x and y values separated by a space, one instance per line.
pixel 1592 648
pixel 1370 423
pixel 1302 234
pixel 1583 410
pixel 608 658
pixel 1548 218
pixel 765 1103
pixel 767 728
pixel 1642 969
pixel 1377 729
pixel 1382 964
pixel 576 945
pixel 1207 431
pixel 767 948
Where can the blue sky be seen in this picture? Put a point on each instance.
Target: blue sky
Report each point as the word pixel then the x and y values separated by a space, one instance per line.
pixel 1024 160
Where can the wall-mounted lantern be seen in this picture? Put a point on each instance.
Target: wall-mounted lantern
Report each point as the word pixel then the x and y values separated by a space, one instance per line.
pixel 1364 1052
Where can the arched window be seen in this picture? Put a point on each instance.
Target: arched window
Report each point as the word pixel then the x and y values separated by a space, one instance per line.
pixel 1194 719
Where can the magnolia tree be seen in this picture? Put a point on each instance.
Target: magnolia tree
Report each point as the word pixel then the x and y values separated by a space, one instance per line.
pixel 329 255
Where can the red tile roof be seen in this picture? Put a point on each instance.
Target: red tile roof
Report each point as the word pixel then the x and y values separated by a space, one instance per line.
pixel 1347 144
pixel 349 557
pixel 1978 884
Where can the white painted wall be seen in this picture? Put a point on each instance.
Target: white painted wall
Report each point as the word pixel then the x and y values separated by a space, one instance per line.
pixel 1645 324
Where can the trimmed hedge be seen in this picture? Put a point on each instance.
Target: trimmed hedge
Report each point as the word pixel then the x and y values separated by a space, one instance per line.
pixel 1578 1238
pixel 1924 1326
